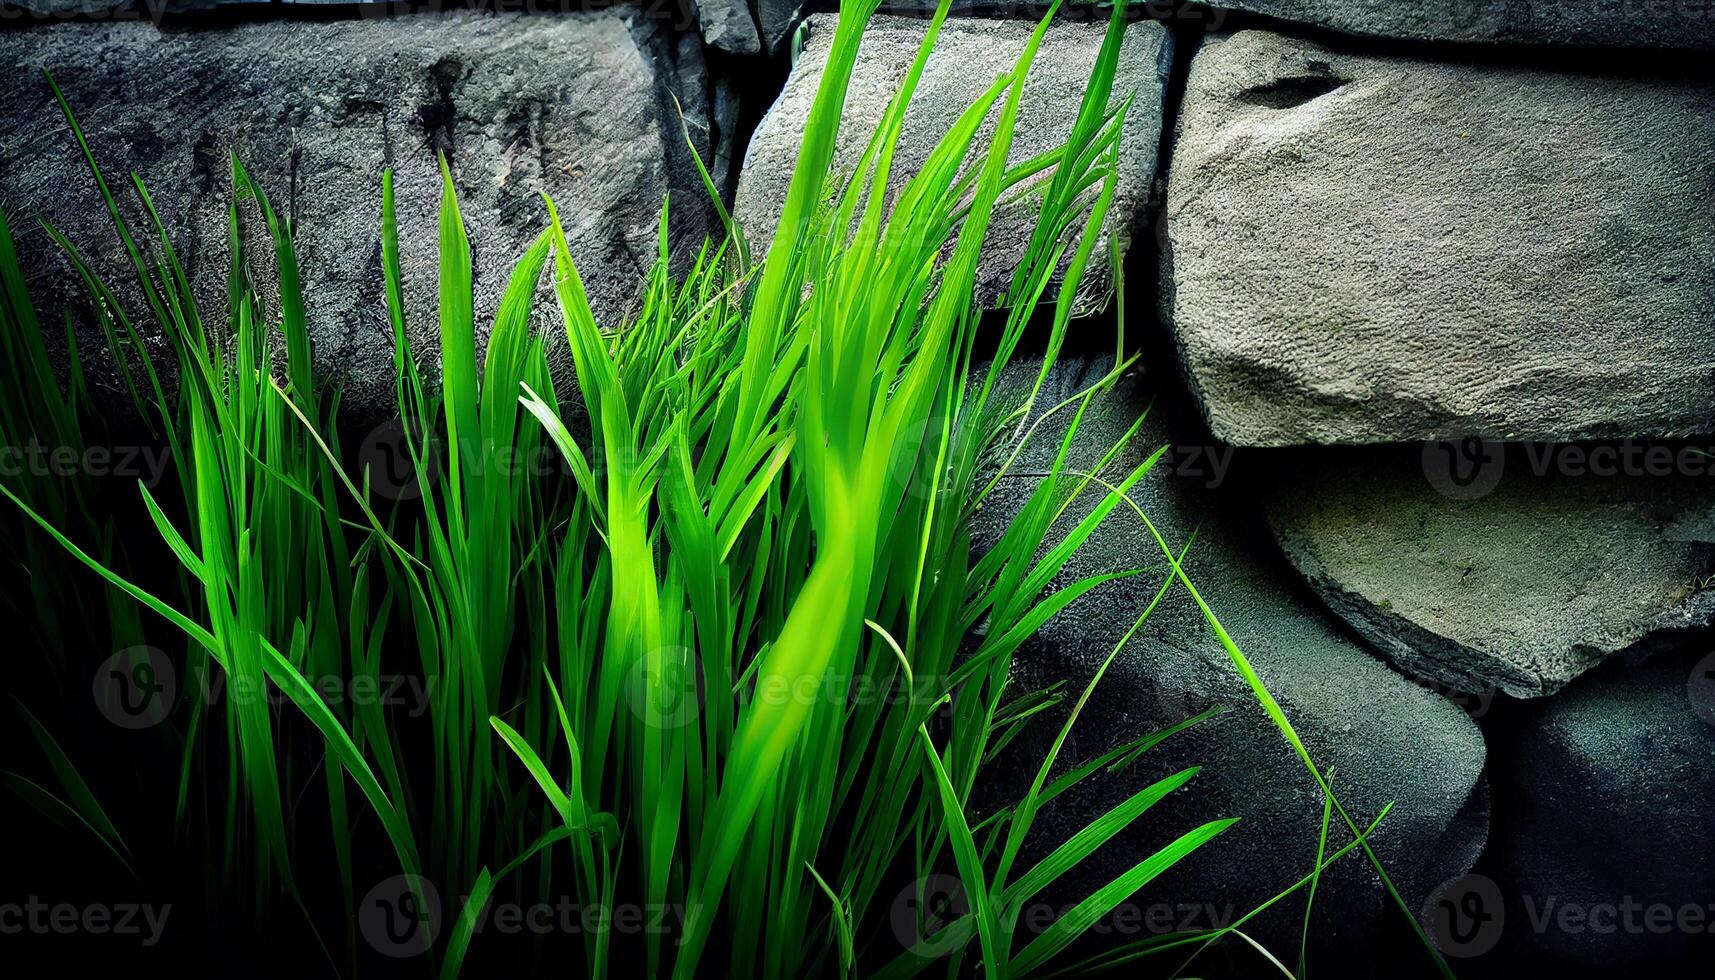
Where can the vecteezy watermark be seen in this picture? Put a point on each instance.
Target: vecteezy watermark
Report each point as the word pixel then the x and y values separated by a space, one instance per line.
pixel 402 916
pixel 1465 916
pixel 1700 689
pixel 37 917
pixel 400 691
pixel 1490 15
pixel 931 917
pixel 402 458
pixel 387 458
pixel 666 689
pixel 1206 466
pixel 136 687
pixel 1464 469
pixel 1626 915
pixel 147 464
pixel 663 687
pixel 1471 467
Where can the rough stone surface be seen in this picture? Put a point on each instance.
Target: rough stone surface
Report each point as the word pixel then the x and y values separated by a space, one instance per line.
pixel 1668 24
pixel 577 105
pixel 970 55
pixel 776 19
pixel 1519 589
pixel 1385 737
pixel 728 25
pixel 1368 249
pixel 43 10
pixel 1604 810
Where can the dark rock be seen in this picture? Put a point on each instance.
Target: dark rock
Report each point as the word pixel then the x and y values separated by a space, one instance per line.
pixel 776 20
pixel 728 25
pixel 1383 737
pixel 1604 810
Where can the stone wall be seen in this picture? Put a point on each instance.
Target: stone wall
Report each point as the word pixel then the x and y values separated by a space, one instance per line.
pixel 1428 308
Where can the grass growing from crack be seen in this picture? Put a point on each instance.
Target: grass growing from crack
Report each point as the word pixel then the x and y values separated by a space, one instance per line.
pixel 738 660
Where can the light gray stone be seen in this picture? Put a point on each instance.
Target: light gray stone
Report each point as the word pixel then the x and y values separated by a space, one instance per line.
pixel 1519 589
pixel 969 56
pixel 1384 737
pixel 1367 249
pixel 1643 23
pixel 576 105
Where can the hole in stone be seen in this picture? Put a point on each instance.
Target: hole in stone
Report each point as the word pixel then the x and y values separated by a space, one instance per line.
pixel 1295 90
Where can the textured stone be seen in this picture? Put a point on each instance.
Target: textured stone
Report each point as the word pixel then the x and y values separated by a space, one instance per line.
pixel 1367 249
pixel 1384 737
pixel 1604 810
pixel 727 24
pixel 969 56
pixel 775 19
pixel 1519 589
pixel 577 105
pixel 1647 23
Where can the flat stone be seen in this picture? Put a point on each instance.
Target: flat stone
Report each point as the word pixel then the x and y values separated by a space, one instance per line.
pixel 1517 589
pixel 1375 249
pixel 575 105
pixel 970 54
pixel 1666 24
pixel 1385 737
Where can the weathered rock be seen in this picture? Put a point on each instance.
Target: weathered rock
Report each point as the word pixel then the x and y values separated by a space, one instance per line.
pixel 1668 24
pixel 1604 810
pixel 1519 589
pixel 1367 249
pixel 1384 737
pixel 48 10
pixel 775 20
pixel 727 25
pixel 969 56
pixel 576 105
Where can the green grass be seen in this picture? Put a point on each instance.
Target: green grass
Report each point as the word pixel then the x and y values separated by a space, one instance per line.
pixel 642 670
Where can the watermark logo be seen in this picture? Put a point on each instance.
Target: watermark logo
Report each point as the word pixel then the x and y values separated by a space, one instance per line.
pixel 1205 466
pixel 663 687
pixel 932 915
pixel 1180 702
pixel 36 917
pixel 401 916
pixel 136 687
pixel 386 459
pixel 912 464
pixel 1700 689
pixel 1465 916
pixel 144 464
pixel 1464 469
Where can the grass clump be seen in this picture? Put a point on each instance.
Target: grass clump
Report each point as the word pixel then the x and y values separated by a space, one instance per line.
pixel 736 660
